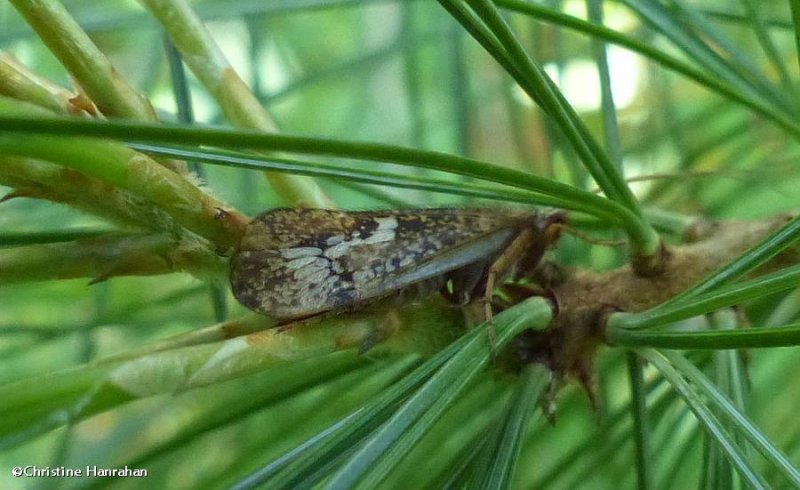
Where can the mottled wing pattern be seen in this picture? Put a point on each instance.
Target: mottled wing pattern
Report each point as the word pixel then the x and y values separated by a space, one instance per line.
pixel 294 263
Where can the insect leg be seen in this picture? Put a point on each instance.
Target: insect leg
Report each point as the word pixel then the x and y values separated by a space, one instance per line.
pixel 529 241
pixel 466 283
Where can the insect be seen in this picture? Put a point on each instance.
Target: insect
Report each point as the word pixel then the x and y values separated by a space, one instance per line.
pixel 293 264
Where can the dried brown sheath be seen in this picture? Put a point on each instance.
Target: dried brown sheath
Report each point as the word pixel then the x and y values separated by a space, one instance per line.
pixel 296 263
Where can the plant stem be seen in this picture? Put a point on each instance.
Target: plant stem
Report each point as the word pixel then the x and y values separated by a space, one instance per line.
pixel 237 102
pixel 644 241
pixel 103 257
pixel 92 70
pixel 19 83
pixel 118 165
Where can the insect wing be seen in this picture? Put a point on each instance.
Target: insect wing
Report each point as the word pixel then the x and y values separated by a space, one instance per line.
pixel 294 263
pixel 448 259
